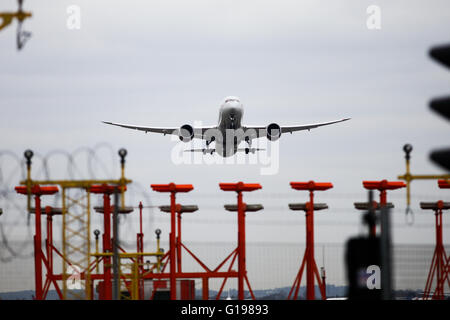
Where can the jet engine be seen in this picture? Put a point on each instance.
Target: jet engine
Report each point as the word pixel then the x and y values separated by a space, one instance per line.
pixel 273 132
pixel 186 133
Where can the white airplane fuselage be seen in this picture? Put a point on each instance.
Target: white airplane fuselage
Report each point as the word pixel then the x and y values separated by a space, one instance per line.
pixel 230 117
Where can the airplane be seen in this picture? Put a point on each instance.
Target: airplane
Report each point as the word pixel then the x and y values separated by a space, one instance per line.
pixel 229 132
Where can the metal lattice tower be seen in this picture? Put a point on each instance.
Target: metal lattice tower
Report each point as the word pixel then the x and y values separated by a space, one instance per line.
pixel 76 245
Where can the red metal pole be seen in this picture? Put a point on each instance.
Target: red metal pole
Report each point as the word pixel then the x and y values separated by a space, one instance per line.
pixel 241 246
pixel 383 199
pixel 140 249
pixel 179 242
pixel 310 295
pixel 107 284
pixel 440 259
pixel 173 289
pixel 140 217
pixel 38 250
pixel 49 248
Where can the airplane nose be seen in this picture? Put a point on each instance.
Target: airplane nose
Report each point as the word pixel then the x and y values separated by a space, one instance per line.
pixel 233 104
pixel 234 108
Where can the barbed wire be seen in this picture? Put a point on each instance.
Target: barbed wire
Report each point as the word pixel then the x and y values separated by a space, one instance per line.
pixel 101 160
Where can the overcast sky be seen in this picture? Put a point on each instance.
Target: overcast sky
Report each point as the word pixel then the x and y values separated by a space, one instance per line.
pixel 167 63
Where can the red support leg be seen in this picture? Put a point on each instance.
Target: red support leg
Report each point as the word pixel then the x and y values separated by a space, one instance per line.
pixel 140 249
pixel 298 278
pixel 241 246
pixel 48 242
pixel 440 259
pixel 107 247
pixel 173 289
pixel 439 263
pixel 49 252
pixel 52 279
pixel 38 250
pixel 320 282
pixel 249 287
pixel 178 242
pixel 310 294
pixel 226 278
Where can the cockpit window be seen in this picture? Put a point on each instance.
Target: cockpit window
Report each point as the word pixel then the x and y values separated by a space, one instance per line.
pixel 229 100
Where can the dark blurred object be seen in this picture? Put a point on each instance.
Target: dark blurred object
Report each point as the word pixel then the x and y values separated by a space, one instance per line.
pixel 361 255
pixel 370 218
pixel 441 157
pixel 441 105
pixel 368 259
pixel 386 253
pixel 441 54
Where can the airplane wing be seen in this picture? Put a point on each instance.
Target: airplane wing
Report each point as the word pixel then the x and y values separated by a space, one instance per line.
pixel 261 130
pixel 198 131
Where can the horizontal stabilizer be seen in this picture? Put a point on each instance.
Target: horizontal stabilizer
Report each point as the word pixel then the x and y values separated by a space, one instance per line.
pixel 250 150
pixel 204 150
pixel 211 151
